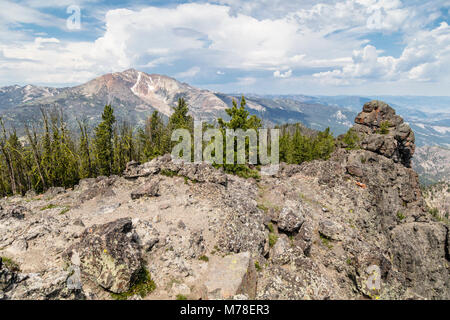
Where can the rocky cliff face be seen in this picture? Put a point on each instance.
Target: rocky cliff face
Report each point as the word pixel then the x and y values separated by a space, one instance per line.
pixel 352 227
pixel 385 133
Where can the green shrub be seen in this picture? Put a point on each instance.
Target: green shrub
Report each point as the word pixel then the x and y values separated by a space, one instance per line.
pixel 351 139
pixel 10 264
pixel 143 285
pixel 384 127
pixel 326 241
pixel 168 173
pixel 48 207
pixel 181 297
pixel 273 238
pixel 400 216
pixel 65 210
pixel 204 258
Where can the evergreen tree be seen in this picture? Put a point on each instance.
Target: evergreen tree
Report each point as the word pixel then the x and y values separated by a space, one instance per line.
pixel 86 166
pixel 239 119
pixel 180 118
pixel 104 142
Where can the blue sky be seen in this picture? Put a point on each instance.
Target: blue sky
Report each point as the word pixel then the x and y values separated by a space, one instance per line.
pixel 365 47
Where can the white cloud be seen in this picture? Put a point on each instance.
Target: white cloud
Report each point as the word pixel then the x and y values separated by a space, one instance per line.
pixel 279 74
pixel 321 43
pixel 425 58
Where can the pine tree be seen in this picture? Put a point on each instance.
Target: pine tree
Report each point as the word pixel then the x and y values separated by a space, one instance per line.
pixel 86 166
pixel 239 119
pixel 104 142
pixel 180 118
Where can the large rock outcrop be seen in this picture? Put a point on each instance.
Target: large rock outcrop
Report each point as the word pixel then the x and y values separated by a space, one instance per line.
pixel 384 132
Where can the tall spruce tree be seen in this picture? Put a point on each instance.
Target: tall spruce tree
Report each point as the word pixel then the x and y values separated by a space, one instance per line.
pixel 104 142
pixel 240 118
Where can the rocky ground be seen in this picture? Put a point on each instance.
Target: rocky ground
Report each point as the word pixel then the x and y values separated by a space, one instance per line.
pixel 352 227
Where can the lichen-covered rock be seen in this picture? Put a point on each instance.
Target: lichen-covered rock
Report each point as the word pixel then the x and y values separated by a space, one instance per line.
pixel 109 255
pixel 291 218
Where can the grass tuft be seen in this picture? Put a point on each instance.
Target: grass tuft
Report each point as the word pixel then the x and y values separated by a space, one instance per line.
pixel 142 286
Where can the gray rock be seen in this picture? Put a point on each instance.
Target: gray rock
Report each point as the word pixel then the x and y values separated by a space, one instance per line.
pixel 149 189
pixel 290 219
pixel 74 280
pixel 397 143
pixel 53 192
pixel 147 235
pixel 109 208
pixel 7 277
pixel 51 285
pixel 280 250
pixel 18 246
pixel 16 212
pixel 108 256
pixel 229 276
pixel 332 230
pixel 420 253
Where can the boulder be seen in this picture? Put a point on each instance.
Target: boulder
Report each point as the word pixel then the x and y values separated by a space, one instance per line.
pixel 53 192
pixel 290 219
pixel 149 189
pixel 229 276
pixel 330 229
pixel 109 255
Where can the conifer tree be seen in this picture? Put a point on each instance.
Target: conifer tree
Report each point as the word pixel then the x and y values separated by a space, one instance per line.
pixel 104 142
pixel 86 166
pixel 180 118
pixel 239 119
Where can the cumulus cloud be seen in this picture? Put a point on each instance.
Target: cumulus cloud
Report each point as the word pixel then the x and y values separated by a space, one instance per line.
pixel 425 58
pixel 279 74
pixel 247 41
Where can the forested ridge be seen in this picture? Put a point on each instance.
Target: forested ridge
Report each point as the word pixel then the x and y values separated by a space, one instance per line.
pixel 51 155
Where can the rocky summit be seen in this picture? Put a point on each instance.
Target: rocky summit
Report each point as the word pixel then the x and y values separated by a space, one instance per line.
pixel 352 227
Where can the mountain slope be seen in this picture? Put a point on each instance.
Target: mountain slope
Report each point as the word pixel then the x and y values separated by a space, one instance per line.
pixel 135 95
pixel 432 164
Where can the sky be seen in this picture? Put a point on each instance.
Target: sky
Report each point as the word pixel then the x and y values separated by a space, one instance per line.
pixel 351 47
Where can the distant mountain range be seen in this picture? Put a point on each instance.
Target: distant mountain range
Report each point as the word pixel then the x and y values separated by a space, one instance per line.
pixel 135 95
